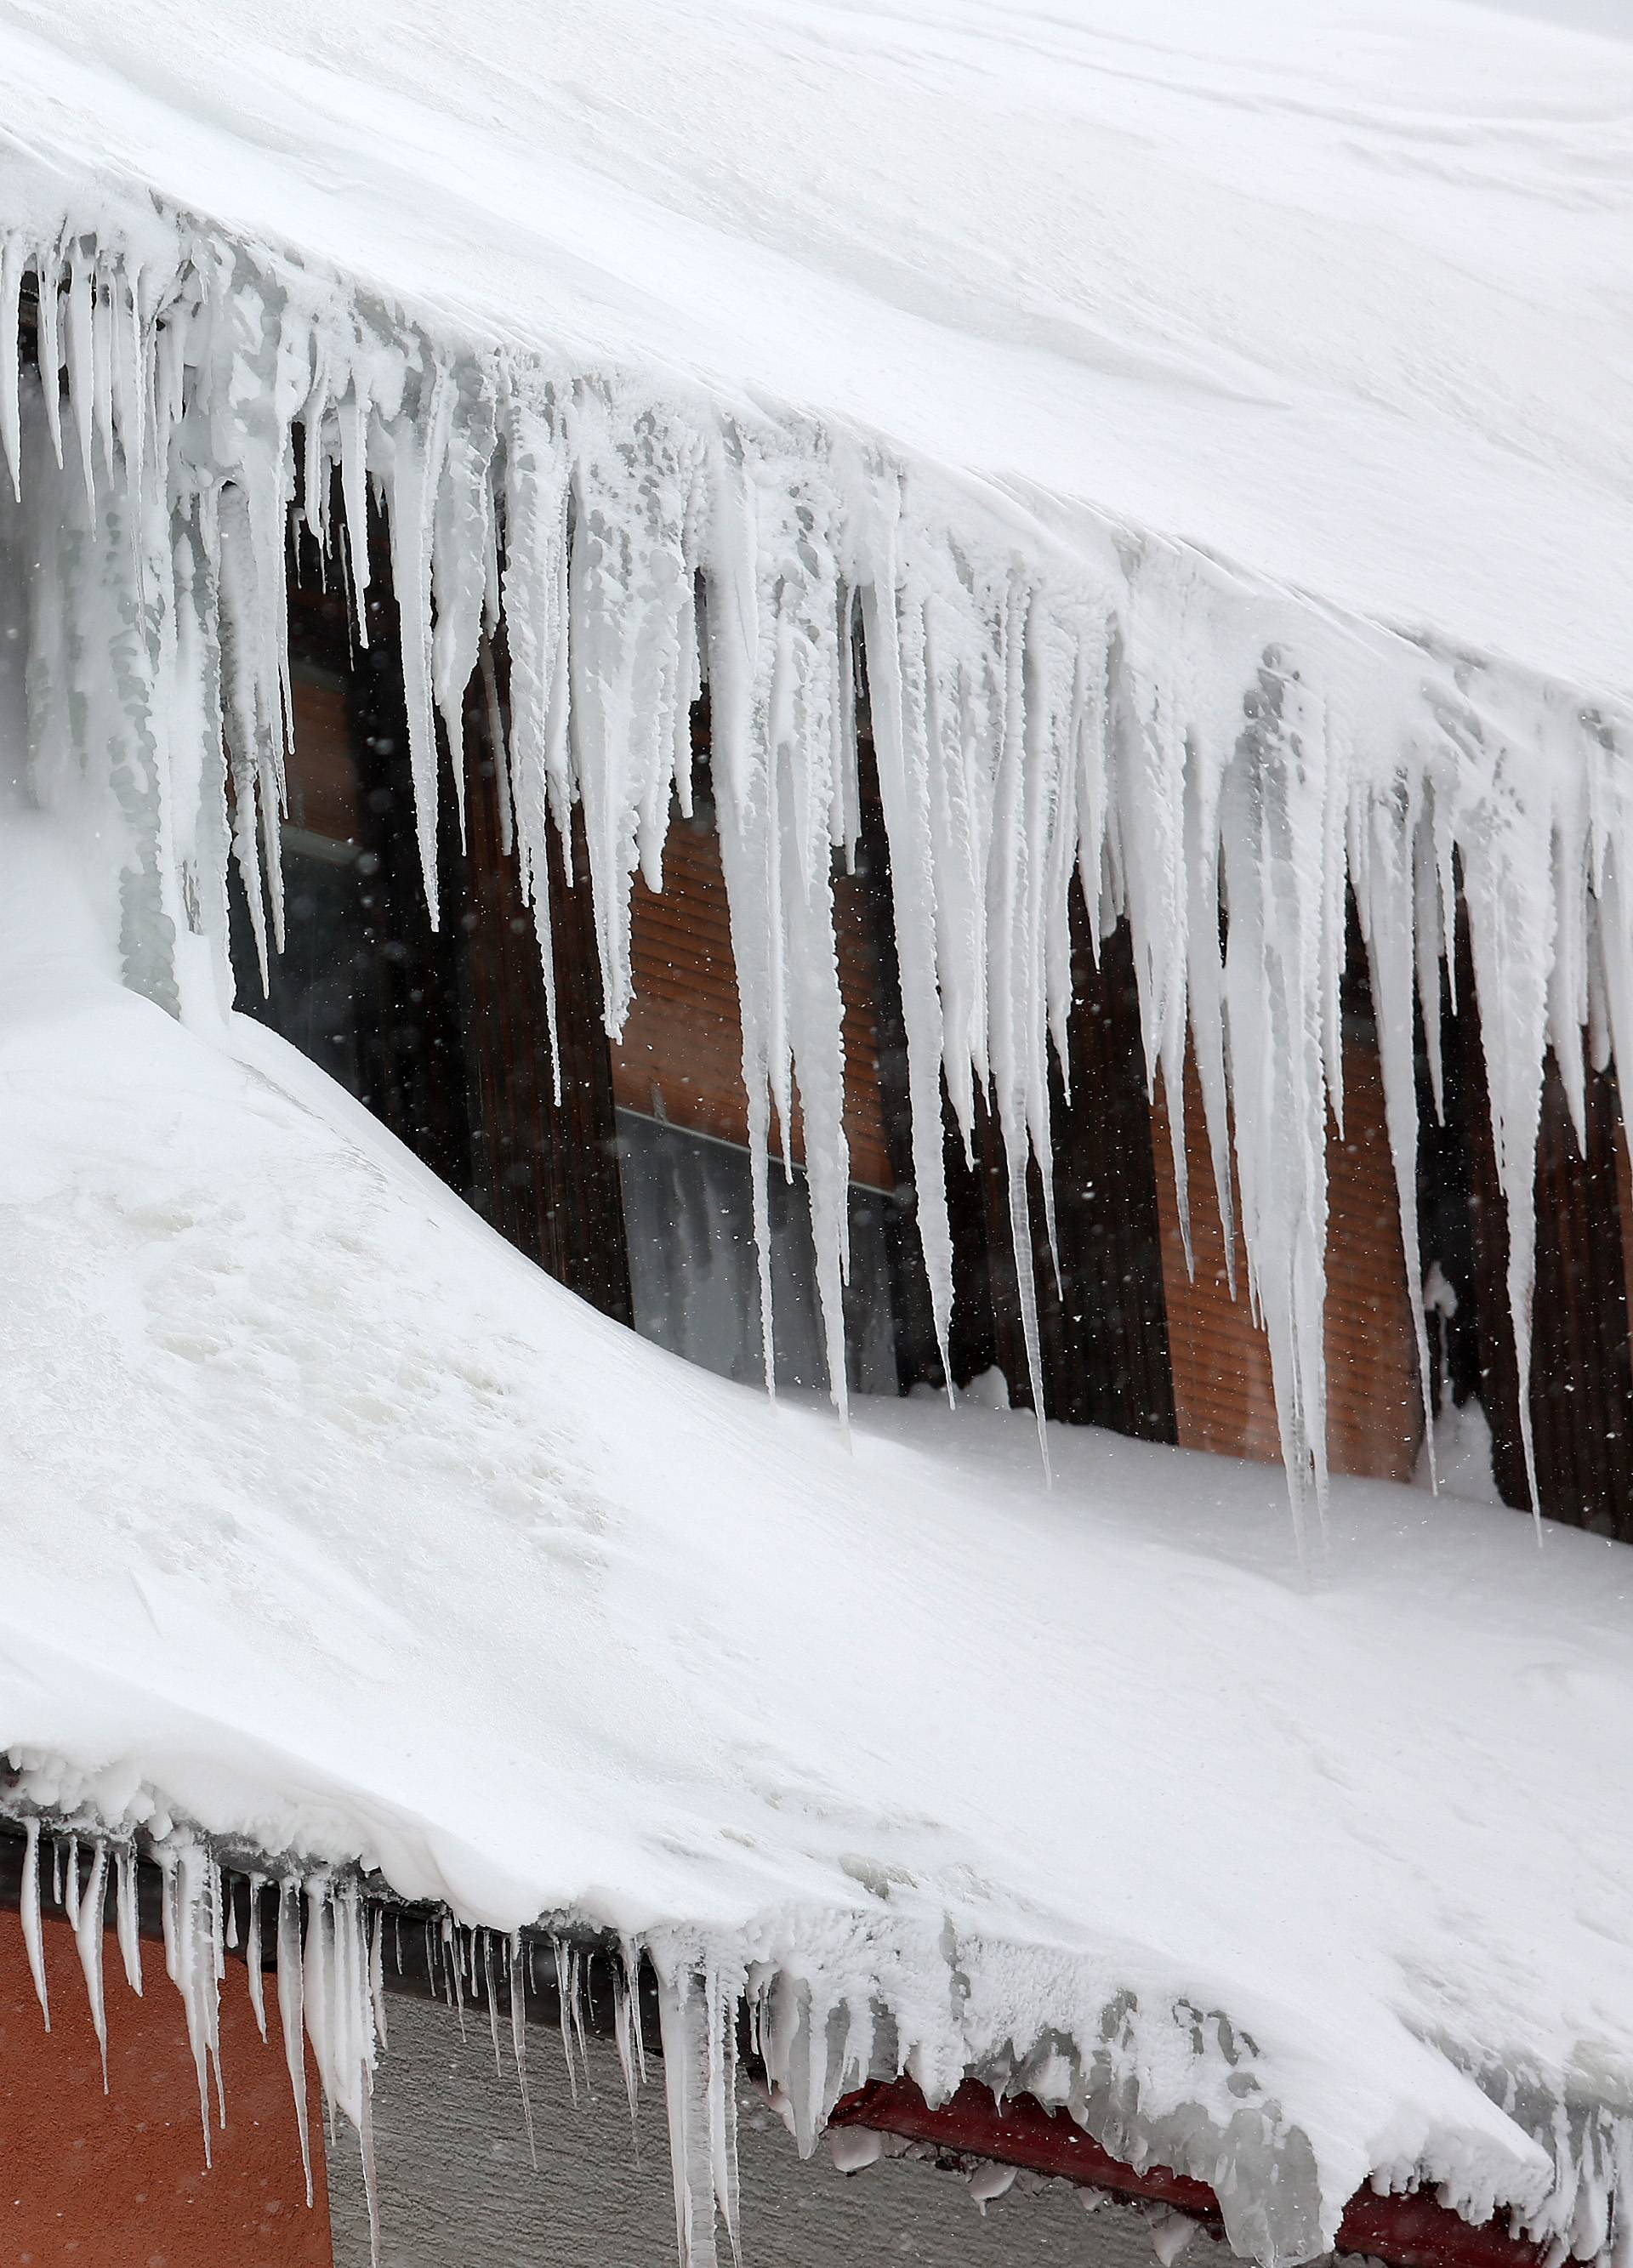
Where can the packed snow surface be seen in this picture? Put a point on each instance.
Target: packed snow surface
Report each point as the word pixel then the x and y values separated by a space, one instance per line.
pixel 335 1526
pixel 1336 291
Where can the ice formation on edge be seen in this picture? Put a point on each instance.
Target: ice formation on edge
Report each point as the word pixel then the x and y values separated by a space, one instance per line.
pixel 1119 708
pixel 1113 706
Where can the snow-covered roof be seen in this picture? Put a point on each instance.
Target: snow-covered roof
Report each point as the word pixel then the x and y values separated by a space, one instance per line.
pixel 334 1528
pixel 1336 293
pixel 1337 290
pixel 1216 423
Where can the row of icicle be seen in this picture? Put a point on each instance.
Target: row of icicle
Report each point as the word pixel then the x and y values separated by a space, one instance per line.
pixel 1115 708
pixel 330 1951
pixel 333 1946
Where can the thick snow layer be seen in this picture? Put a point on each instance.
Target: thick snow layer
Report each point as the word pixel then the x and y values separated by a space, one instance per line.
pixel 335 1526
pixel 1336 291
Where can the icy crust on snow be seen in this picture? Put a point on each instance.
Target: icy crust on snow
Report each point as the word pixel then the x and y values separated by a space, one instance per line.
pixel 1177 735
pixel 337 1533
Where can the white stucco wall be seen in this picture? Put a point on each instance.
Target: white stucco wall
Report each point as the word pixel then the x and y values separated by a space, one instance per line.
pixel 458 2191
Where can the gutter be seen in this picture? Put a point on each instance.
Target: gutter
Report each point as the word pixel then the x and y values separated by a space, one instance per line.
pixel 1413 2230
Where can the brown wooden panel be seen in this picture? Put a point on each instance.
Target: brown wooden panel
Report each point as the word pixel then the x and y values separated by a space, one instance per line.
pixel 544 1172
pixel 681 1057
pixel 1581 1401
pixel 322 777
pixel 1223 1395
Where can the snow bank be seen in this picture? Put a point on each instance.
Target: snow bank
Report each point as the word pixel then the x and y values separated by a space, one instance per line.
pixel 336 1529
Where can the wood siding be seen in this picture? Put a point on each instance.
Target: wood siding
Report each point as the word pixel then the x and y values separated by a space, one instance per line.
pixel 1102 1321
pixel 1581 1400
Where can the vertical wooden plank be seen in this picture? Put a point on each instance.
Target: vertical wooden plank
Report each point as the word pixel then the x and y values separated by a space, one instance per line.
pixel 1103 1324
pixel 546 1173
pixel 405 989
pixel 1581 1399
pixel 971 1349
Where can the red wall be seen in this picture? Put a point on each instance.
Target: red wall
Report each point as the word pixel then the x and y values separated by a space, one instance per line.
pixel 118 2181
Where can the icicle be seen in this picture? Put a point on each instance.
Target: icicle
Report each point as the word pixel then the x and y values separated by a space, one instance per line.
pixel 417 448
pixel 190 1964
pixel 534 600
pixel 291 2011
pixel 352 423
pixel 377 1978
pixel 82 372
pixel 564 2011
pixel 88 1932
pixel 626 2027
pixel 339 2016
pixel 252 1955
pixel 13 260
pixel 463 541
pixel 49 273
pixel 453 1952
pixel 490 1992
pixel 519 2040
pixel 700 2075
pixel 902 794
pixel 1383 864
pixel 128 1916
pixel 28 1906
pixel 213 1898
pixel 105 364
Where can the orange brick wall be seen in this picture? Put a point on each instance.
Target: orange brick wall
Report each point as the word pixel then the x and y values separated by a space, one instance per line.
pixel 1223 1395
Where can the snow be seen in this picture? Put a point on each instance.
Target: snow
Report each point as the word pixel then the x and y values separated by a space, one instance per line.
pixel 335 1529
pixel 1336 291
pixel 1226 477
pixel 1214 426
